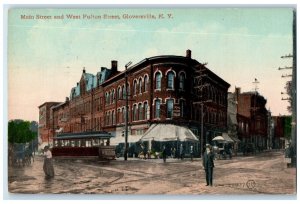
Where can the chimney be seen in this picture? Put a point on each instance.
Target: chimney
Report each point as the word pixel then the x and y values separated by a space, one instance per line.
pixel 77 83
pixel 83 71
pixel 114 66
pixel 189 54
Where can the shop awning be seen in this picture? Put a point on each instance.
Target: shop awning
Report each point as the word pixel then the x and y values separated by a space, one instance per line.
pixel 121 139
pixel 227 137
pixel 169 132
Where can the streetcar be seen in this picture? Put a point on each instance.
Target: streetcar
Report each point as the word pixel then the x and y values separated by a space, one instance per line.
pixel 86 145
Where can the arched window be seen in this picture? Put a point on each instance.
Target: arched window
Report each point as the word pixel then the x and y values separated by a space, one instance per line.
pixel 106 98
pixel 140 85
pixel 157 108
pixel 109 98
pixel 170 77
pixel 158 80
pixel 146 110
pixel 134 112
pixel 146 83
pixel 119 93
pixel 119 116
pixel 181 81
pixel 113 117
pixel 134 87
pixel 170 105
pixel 140 111
pixel 113 96
pixel 124 113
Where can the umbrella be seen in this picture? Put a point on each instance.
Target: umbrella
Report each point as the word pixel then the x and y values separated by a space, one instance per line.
pixel 219 139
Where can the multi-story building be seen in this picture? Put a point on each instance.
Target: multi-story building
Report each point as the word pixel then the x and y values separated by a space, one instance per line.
pixel 252 118
pixel 176 90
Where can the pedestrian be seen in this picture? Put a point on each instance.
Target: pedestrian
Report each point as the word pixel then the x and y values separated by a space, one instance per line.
pixel 208 164
pixel 192 152
pixel 48 163
pixel 173 150
pixel 164 153
pixel 181 151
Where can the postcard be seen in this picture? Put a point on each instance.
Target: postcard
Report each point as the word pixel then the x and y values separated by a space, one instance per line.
pixel 151 101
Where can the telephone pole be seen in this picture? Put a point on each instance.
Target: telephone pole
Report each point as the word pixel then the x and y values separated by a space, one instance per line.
pixel 293 97
pixel 126 111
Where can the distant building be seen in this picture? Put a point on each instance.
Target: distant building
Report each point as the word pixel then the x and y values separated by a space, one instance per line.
pixel 252 119
pixel 174 90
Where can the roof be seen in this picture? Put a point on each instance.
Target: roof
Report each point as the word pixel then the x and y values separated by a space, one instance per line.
pixel 169 132
pixel 84 135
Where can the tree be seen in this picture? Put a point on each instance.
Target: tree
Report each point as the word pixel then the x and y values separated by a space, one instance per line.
pixel 288 87
pixel 19 132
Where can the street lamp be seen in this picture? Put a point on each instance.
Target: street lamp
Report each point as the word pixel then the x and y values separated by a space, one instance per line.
pixel 126 111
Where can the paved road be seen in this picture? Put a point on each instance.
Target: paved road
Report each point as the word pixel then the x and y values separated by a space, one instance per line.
pixel 264 173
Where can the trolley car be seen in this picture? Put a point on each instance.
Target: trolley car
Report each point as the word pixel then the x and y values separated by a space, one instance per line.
pixel 87 145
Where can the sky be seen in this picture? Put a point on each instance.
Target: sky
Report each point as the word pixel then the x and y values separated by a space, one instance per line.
pixel 46 57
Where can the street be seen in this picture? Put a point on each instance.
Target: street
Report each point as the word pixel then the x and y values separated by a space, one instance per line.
pixel 264 173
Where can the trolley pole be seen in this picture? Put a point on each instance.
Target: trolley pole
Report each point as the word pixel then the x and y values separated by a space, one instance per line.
pixel 126 112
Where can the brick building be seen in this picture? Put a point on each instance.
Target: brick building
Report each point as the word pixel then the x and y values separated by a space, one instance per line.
pixel 252 117
pixel 175 90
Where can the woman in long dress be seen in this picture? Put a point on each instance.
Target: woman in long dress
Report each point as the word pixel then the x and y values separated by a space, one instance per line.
pixel 48 163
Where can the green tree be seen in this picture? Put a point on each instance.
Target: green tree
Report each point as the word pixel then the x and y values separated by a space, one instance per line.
pixel 287 127
pixel 19 132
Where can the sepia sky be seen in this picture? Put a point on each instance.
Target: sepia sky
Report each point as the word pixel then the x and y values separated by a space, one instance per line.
pixel 46 57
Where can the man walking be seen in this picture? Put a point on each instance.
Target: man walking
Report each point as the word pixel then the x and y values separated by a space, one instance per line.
pixel 192 152
pixel 208 164
pixel 181 151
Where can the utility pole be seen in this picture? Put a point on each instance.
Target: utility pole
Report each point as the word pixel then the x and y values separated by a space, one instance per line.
pixel 293 97
pixel 126 111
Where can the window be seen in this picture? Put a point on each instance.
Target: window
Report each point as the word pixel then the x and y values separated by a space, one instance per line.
pixel 170 77
pixel 124 114
pixel 158 80
pixel 140 86
pixel 170 104
pixel 113 117
pixel 109 98
pixel 146 83
pixel 119 93
pixel 134 112
pixel 181 81
pixel 146 110
pixel 157 108
pixel 140 112
pixel 113 96
pixel 134 88
pixel 119 116
pixel 106 98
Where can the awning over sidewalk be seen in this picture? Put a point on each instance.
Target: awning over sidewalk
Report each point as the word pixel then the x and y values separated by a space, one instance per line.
pixel 227 137
pixel 169 132
pixel 119 139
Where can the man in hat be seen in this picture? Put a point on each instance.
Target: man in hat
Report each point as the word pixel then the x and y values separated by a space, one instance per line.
pixel 208 164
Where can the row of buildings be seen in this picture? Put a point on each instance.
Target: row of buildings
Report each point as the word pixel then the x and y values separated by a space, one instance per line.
pixel 163 92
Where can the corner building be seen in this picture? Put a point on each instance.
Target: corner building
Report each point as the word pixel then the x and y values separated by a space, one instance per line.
pixel 169 90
